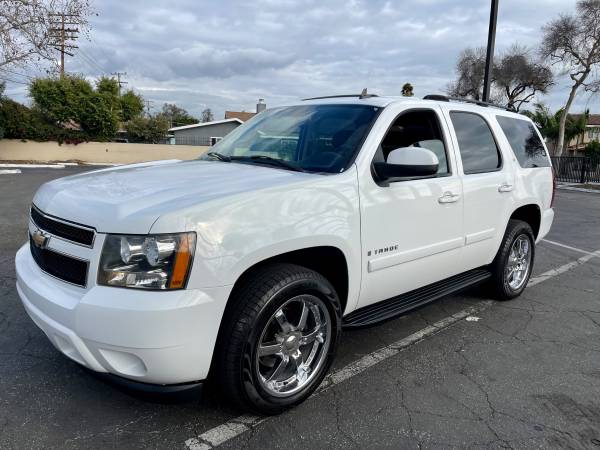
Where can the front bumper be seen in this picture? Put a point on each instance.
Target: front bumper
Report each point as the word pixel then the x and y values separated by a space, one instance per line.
pixel 147 336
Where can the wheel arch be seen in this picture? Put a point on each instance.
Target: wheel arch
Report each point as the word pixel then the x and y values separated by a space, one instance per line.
pixel 329 261
pixel 531 214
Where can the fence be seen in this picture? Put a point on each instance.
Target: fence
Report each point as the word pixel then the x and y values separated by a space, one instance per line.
pixel 189 140
pixel 576 169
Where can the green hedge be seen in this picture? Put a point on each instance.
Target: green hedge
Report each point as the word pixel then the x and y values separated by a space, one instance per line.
pixel 20 122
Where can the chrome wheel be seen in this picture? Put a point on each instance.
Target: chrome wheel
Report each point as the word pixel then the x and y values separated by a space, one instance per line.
pixel 293 345
pixel 519 262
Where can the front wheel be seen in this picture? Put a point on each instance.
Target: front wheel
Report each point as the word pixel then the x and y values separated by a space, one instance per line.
pixel 279 338
pixel 511 269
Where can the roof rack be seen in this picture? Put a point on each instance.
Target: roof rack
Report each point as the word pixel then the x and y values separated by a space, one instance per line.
pixel 444 98
pixel 362 95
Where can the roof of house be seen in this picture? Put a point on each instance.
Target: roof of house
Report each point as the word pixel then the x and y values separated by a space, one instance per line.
pixel 593 120
pixel 242 115
pixel 204 124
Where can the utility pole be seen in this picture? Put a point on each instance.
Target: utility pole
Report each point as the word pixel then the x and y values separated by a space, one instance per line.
pixel 148 106
pixel 119 75
pixel 62 33
pixel 489 58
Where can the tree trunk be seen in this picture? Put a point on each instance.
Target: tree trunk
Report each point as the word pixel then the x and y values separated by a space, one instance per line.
pixel 563 120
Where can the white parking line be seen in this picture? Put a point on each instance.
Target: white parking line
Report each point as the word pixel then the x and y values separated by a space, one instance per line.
pixel 33 166
pixel 9 171
pixel 575 249
pixel 234 427
pixel 564 268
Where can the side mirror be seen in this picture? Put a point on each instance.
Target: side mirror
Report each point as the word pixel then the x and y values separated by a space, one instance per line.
pixel 408 162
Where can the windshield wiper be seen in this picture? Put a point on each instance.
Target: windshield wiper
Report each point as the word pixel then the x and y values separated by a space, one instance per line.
pixel 268 160
pixel 219 156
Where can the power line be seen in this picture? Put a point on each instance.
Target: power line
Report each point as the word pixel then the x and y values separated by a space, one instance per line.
pixel 91 62
pixel 16 73
pixel 14 81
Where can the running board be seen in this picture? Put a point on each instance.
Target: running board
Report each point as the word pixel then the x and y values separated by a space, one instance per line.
pixel 396 306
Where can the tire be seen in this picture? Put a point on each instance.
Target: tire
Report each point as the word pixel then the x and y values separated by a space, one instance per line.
pixel 503 286
pixel 256 317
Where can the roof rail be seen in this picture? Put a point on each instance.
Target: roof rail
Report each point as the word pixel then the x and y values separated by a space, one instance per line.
pixel 362 95
pixel 444 98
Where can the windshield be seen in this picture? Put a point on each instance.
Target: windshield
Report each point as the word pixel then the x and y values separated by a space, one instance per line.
pixel 312 138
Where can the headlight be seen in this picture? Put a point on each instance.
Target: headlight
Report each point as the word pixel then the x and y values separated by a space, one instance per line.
pixel 160 261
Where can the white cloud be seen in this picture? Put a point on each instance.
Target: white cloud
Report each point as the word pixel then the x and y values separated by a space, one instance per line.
pixel 227 54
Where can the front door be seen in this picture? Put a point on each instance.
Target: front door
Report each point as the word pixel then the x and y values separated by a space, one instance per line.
pixel 412 230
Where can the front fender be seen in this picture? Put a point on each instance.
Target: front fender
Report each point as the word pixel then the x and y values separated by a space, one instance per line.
pixel 236 233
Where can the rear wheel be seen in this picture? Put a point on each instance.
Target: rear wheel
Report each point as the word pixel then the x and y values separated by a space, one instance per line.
pixel 511 269
pixel 279 338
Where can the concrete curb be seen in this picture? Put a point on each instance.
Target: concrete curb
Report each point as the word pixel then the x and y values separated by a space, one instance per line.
pixel 577 189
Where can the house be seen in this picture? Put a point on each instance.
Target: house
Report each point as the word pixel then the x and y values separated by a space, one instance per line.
pixel 207 133
pixel 244 115
pixel 577 145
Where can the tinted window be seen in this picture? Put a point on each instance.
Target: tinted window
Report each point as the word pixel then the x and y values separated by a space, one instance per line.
pixel 476 143
pixel 525 142
pixel 316 138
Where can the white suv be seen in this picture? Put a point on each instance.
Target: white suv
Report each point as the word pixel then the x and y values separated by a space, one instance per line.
pixel 244 266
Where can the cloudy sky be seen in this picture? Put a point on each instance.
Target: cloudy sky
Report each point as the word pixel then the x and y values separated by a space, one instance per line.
pixel 227 54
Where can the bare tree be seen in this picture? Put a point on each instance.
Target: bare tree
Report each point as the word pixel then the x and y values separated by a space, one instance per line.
pixel 207 115
pixel 470 69
pixel 519 77
pixel 516 76
pixel 573 42
pixel 25 27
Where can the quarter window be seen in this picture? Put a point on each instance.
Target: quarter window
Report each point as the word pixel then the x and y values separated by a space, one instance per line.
pixel 524 141
pixel 478 149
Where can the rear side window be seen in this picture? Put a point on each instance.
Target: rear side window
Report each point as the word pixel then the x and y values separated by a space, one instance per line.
pixel 478 149
pixel 525 142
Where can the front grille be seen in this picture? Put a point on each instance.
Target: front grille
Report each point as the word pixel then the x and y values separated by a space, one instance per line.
pixel 73 233
pixel 60 266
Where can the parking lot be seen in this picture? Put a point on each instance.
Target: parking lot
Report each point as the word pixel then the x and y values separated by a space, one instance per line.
pixel 465 372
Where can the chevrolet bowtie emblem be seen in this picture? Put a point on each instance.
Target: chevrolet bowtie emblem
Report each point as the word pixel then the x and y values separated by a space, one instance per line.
pixel 40 239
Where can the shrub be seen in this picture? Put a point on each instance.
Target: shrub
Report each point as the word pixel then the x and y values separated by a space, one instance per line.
pixel 20 122
pixel 592 150
pixel 132 105
pixel 72 100
pixel 147 129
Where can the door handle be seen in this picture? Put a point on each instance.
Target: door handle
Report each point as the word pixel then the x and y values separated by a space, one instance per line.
pixel 505 187
pixel 448 197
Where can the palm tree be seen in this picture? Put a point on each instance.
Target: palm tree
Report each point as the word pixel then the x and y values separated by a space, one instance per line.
pixel 407 90
pixel 546 122
pixel 549 124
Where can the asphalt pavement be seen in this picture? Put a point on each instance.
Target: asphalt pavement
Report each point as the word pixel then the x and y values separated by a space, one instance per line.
pixel 518 374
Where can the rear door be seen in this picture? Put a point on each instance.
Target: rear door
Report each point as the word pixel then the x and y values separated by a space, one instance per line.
pixel 488 182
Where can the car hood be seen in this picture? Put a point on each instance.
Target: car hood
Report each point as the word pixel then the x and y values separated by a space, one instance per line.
pixel 129 199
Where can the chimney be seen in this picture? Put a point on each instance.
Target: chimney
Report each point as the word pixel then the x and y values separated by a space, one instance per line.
pixel 261 105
